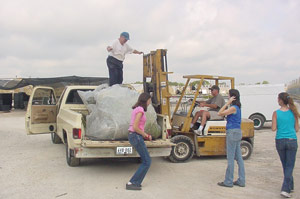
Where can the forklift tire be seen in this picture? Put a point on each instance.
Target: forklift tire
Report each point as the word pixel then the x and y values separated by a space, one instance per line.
pixel 246 149
pixel 55 138
pixel 183 150
pixel 258 121
pixel 71 160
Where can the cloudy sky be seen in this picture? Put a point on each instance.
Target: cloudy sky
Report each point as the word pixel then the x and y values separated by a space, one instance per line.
pixel 252 40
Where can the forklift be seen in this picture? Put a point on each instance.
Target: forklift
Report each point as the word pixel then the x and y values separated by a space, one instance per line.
pixel 187 144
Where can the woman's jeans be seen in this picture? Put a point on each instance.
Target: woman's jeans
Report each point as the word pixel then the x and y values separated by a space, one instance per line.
pixel 287 149
pixel 137 141
pixel 233 148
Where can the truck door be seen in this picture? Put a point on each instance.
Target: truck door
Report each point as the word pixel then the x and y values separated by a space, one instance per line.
pixel 41 111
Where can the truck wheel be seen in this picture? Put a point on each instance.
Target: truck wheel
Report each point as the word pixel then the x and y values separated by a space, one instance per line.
pixel 55 138
pixel 183 150
pixel 258 121
pixel 71 160
pixel 246 149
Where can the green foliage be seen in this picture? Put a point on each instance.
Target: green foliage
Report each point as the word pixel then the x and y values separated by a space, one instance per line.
pixel 265 82
pixel 194 83
pixel 170 83
pixel 207 96
pixel 176 84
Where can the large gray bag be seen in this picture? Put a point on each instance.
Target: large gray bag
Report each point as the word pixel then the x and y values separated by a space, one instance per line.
pixel 110 113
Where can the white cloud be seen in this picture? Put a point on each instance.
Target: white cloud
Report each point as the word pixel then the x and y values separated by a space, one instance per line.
pixel 253 40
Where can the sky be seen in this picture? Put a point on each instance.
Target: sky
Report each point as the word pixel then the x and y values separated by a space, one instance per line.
pixel 251 40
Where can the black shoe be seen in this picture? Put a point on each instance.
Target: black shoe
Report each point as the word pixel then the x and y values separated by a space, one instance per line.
pixel 224 185
pixel 238 184
pixel 133 187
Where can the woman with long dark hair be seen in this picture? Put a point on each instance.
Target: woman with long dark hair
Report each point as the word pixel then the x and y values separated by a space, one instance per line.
pixel 285 121
pixel 136 138
pixel 233 139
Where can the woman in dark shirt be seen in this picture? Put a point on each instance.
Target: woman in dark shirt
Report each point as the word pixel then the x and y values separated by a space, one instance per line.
pixel 233 139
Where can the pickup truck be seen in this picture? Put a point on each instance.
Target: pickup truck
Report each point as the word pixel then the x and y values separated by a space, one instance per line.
pixel 65 121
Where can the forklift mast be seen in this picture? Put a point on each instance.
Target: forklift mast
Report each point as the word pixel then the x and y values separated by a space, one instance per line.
pixel 155 80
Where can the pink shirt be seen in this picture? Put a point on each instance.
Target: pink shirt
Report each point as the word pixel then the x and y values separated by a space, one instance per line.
pixel 142 122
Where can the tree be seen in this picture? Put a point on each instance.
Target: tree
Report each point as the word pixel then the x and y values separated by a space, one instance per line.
pixel 176 84
pixel 194 83
pixel 265 82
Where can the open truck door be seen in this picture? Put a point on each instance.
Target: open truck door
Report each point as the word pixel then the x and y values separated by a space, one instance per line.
pixel 41 111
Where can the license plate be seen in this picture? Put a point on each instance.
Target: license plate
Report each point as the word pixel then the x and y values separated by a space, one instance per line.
pixel 124 150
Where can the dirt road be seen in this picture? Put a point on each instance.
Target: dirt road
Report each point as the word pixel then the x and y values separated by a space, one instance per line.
pixel 32 167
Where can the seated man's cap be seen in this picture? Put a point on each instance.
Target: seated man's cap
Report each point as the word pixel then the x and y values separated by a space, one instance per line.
pixel 125 34
pixel 215 87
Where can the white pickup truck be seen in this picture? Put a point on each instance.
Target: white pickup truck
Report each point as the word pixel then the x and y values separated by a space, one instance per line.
pixel 65 120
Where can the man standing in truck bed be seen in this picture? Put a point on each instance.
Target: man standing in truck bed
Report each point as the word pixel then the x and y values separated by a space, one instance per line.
pixel 117 53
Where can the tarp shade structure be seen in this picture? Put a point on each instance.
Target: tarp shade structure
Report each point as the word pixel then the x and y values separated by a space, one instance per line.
pixel 53 82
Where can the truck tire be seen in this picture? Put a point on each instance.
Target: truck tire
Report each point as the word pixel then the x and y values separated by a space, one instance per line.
pixel 246 149
pixel 258 120
pixel 55 138
pixel 183 150
pixel 71 160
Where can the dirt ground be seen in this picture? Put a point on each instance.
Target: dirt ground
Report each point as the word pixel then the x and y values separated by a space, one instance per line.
pixel 33 167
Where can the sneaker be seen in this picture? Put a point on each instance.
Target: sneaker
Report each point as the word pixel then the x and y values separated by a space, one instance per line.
pixel 292 190
pixel 224 185
pixel 285 194
pixel 133 187
pixel 197 132
pixel 238 184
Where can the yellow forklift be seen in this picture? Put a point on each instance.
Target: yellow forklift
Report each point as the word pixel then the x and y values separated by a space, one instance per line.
pixel 188 144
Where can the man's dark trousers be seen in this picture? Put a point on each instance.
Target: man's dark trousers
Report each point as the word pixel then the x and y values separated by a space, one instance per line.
pixel 115 69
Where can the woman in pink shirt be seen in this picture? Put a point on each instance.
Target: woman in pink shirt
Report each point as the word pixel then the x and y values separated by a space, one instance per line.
pixel 136 138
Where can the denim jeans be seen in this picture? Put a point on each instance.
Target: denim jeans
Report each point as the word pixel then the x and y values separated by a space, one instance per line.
pixel 233 149
pixel 287 150
pixel 137 141
pixel 115 69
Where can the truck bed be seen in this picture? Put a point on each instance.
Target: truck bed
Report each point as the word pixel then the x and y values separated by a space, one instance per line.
pixel 161 120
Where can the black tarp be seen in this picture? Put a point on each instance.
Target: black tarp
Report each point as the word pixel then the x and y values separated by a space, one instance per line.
pixel 53 82
pixel 5 101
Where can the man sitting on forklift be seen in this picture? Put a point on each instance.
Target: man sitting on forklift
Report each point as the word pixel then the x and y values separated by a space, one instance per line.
pixel 214 104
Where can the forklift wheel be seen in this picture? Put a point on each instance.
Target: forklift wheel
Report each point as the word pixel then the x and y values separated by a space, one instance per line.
pixel 183 150
pixel 246 149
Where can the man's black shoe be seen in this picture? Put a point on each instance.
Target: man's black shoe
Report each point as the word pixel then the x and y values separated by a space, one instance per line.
pixel 238 184
pixel 224 185
pixel 133 187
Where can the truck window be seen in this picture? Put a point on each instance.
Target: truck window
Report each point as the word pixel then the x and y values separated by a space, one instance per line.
pixel 74 98
pixel 43 97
